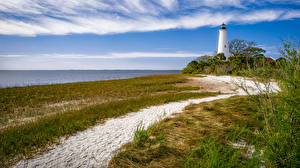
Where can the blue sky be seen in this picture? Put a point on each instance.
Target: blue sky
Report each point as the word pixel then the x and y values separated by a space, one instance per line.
pixel 135 34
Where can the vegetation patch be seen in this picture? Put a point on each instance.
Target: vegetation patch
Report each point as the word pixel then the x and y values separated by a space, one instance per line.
pixel 245 55
pixel 198 137
pixel 19 105
pixel 27 139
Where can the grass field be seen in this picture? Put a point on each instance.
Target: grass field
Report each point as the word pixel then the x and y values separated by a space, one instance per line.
pixel 122 96
pixel 21 104
pixel 198 137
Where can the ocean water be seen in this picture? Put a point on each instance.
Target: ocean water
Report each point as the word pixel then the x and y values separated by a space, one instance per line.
pixel 15 78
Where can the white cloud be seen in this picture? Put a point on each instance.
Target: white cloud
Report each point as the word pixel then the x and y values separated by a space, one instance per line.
pixel 12 27
pixel 215 3
pixel 283 1
pixel 101 61
pixel 169 4
pixel 271 51
pixel 111 55
pixel 291 14
pixel 131 55
pixel 11 56
pixel 62 17
pixel 261 15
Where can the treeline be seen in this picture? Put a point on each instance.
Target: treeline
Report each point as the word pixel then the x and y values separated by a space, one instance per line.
pixel 245 55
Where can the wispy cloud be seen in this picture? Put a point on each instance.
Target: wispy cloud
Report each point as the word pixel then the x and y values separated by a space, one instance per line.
pixel 271 51
pixel 11 56
pixel 59 17
pixel 112 55
pixel 215 4
pixel 291 14
pixel 176 60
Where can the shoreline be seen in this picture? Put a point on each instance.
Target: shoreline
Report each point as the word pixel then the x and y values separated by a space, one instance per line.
pixel 94 77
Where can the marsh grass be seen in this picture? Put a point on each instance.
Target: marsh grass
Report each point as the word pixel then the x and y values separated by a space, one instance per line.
pixel 201 136
pixel 21 104
pixel 31 137
pixel 140 135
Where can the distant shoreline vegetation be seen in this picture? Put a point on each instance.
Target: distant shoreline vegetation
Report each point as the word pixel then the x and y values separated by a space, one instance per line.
pixel 245 55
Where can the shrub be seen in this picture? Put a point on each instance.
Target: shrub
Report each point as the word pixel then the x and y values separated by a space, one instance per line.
pixel 281 110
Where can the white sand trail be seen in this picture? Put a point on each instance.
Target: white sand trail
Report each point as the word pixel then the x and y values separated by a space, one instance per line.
pixel 96 146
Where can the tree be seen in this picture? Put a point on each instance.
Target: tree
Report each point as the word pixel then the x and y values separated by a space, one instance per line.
pixel 255 51
pixel 220 56
pixel 203 58
pixel 251 52
pixel 192 67
pixel 245 55
pixel 238 47
pixel 238 62
pixel 259 61
pixel 202 65
pixel 281 60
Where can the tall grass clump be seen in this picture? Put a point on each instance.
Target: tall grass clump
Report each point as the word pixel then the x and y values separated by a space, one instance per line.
pixel 140 135
pixel 281 111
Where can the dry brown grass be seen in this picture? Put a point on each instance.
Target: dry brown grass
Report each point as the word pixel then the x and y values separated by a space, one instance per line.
pixel 183 131
pixel 20 105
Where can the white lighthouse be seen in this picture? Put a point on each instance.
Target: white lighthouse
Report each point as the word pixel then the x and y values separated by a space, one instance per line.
pixel 223 46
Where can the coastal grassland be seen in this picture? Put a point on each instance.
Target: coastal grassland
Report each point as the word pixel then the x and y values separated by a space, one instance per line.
pixel 33 137
pixel 201 136
pixel 19 105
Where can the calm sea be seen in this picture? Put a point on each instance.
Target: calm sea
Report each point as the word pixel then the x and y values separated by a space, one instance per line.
pixel 43 77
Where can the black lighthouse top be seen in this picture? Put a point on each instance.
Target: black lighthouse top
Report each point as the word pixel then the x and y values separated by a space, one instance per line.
pixel 223 26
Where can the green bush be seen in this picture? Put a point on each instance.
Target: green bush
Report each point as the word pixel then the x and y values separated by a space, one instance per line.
pixel 281 110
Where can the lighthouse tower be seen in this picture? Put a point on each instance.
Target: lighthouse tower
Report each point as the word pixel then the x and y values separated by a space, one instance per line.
pixel 223 46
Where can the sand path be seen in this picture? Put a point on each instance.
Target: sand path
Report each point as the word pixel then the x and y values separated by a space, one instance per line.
pixel 96 146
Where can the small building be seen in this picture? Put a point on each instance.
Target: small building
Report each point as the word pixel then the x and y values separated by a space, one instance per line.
pixel 270 59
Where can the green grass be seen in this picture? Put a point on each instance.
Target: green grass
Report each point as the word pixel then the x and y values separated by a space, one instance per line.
pixel 211 153
pixel 20 103
pixel 25 139
pixel 140 135
pixel 37 95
